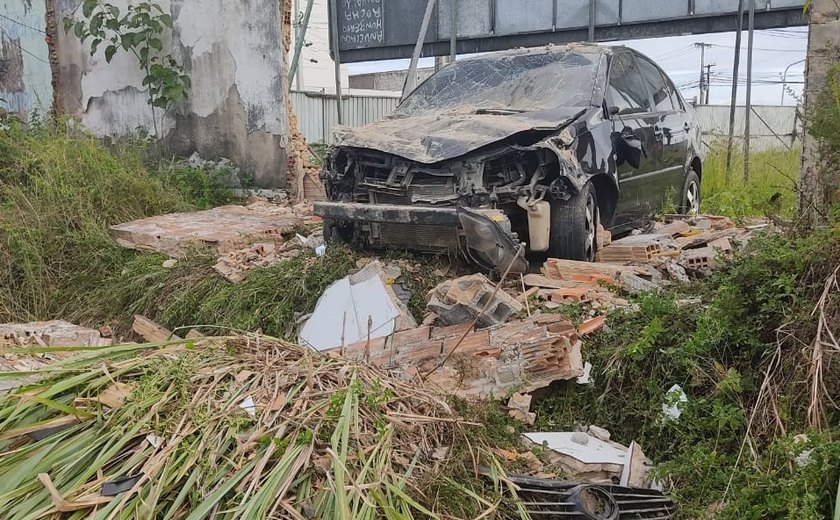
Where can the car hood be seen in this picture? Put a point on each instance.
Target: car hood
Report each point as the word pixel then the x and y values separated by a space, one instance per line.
pixel 431 138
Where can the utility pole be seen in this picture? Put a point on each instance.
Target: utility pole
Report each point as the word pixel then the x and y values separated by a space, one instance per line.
pixel 336 56
pixel 703 85
pixel 709 80
pixel 453 32
pixel 300 35
pixel 734 100
pixel 748 107
pixel 411 79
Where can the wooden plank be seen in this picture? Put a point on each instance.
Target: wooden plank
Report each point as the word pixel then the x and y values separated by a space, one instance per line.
pixel 151 331
pixel 564 269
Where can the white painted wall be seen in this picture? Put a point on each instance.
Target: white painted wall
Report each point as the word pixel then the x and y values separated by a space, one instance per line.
pixel 317 69
pixel 233 53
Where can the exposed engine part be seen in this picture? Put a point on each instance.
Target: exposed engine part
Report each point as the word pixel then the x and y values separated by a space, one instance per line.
pixel 539 222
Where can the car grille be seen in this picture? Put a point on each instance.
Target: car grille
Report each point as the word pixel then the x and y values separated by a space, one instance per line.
pixel 415 190
pixel 550 499
pixel 423 237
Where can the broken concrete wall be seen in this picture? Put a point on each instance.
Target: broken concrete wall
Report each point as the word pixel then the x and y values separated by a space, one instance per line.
pixel 24 58
pixel 818 180
pixel 233 53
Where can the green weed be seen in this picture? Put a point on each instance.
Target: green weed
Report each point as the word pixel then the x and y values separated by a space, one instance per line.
pixel 771 188
pixel 206 187
pixel 755 308
pixel 59 192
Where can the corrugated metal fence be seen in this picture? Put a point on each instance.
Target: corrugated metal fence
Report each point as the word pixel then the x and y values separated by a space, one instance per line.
pixel 771 126
pixel 317 114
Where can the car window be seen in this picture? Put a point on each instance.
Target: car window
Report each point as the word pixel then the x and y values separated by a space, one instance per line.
pixel 675 96
pixel 626 89
pixel 523 82
pixel 656 84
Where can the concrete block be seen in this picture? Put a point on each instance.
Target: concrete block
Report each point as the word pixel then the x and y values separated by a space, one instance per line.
pixel 471 297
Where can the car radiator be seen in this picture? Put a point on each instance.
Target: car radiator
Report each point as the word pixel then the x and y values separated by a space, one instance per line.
pixel 419 236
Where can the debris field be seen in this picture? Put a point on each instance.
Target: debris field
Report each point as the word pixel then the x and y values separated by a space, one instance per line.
pixel 362 398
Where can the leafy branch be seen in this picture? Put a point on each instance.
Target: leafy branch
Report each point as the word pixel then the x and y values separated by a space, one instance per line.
pixel 140 30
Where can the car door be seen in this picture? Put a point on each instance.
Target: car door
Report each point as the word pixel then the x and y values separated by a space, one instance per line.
pixel 630 107
pixel 670 129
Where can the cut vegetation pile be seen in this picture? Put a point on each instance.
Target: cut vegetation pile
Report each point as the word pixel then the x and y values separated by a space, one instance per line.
pixel 242 427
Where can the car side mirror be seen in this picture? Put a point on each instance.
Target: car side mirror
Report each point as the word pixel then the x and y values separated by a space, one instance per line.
pixel 630 148
pixel 613 110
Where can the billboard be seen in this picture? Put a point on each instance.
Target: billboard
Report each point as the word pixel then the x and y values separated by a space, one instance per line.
pixel 388 29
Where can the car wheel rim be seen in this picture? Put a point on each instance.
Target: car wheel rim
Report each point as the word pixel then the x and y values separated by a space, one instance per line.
pixel 692 197
pixel 591 224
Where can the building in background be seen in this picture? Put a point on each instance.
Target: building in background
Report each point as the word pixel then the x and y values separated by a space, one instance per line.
pixel 25 75
pixel 392 80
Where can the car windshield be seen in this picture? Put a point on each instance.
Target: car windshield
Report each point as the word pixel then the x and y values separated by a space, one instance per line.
pixel 511 83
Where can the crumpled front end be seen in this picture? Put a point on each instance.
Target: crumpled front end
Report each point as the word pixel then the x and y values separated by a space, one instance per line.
pixel 482 204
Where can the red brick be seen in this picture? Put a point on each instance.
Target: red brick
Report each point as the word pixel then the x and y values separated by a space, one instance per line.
pixel 474 342
pixel 452 330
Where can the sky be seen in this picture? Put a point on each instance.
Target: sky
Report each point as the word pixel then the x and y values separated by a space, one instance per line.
pixel 774 51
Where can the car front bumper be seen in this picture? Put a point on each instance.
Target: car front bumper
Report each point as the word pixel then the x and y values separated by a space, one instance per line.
pixel 486 240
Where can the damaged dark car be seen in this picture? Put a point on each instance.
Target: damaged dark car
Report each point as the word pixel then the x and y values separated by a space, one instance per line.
pixel 504 155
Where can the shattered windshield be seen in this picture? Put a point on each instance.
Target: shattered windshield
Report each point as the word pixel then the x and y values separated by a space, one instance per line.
pixel 513 83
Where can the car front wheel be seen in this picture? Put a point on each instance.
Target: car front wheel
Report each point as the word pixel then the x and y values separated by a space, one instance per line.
pixel 574 226
pixel 337 232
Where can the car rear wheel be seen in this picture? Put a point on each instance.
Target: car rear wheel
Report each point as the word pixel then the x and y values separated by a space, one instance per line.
pixel 690 200
pixel 574 226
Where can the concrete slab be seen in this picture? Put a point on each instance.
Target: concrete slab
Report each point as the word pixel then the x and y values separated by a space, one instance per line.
pixel 223 229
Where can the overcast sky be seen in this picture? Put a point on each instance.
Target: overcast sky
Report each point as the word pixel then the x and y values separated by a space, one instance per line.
pixel 775 49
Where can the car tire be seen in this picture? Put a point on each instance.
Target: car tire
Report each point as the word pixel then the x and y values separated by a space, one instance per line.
pixel 690 197
pixel 574 226
pixel 335 233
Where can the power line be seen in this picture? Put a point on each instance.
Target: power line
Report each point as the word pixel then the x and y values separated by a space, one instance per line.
pixel 22 24
pixel 16 44
pixel 801 51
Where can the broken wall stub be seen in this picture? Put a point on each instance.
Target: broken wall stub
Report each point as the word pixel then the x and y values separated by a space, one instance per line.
pixel 25 80
pixel 819 183
pixel 233 54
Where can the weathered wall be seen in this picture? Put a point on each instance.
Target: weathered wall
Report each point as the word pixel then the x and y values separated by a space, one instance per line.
pixel 24 58
pixel 818 181
pixel 232 52
pixel 771 126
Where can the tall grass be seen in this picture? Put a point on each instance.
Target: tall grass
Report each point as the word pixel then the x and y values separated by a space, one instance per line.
pixel 59 192
pixel 771 188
